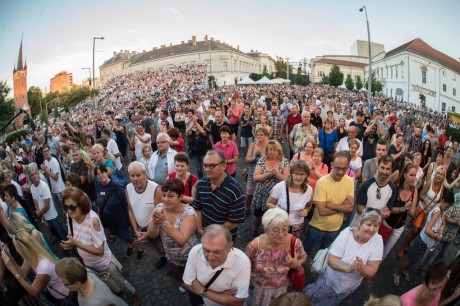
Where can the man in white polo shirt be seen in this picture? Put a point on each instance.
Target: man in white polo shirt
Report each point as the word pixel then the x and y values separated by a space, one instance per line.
pixel 52 170
pixel 216 254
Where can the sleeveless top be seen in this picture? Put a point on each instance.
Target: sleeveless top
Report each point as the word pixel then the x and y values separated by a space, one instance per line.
pixel 142 203
pixel 398 220
pixel 430 196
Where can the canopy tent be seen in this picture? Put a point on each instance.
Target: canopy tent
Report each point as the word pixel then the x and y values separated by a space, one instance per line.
pixel 363 89
pixel 264 81
pixel 247 81
pixel 280 81
pixel 343 86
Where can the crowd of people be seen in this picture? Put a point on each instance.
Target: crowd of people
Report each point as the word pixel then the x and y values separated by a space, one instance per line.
pixel 154 157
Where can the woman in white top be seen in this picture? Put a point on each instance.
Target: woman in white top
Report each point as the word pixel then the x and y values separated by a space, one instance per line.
pixel 356 164
pixel 36 258
pixel 91 290
pixel 417 159
pixel 86 234
pixel 300 194
pixel 356 253
pixel 140 139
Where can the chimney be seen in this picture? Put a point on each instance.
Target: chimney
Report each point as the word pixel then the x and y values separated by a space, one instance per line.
pixel 170 44
pixel 218 41
pixel 238 47
pixel 162 46
pixel 194 41
pixel 143 51
pixel 114 53
pixel 182 42
pixel 212 38
pixel 206 38
pixel 154 48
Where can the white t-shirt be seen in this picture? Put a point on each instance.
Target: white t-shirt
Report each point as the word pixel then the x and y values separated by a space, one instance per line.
pixel 346 247
pixel 297 201
pixel 112 147
pixel 418 175
pixel 59 185
pixel 55 286
pixel 40 193
pixel 356 164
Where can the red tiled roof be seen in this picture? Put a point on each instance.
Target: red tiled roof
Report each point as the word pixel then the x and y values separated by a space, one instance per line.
pixel 339 62
pixel 419 47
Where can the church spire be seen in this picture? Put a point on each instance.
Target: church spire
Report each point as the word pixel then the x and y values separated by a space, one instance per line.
pixel 20 66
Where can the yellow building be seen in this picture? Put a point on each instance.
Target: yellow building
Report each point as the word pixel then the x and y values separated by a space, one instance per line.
pixel 225 63
pixel 61 82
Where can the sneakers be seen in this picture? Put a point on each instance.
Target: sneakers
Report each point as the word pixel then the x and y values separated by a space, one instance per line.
pixel 140 255
pixel 396 279
pixel 160 263
pixel 406 276
pixel 129 252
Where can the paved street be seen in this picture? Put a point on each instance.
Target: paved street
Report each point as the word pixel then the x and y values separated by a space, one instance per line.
pixel 157 288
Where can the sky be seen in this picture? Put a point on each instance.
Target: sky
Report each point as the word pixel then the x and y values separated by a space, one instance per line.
pixel 58 35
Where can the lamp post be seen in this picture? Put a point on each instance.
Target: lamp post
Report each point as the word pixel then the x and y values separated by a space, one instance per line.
pixel 89 69
pixel 94 44
pixel 287 69
pixel 210 65
pixel 369 77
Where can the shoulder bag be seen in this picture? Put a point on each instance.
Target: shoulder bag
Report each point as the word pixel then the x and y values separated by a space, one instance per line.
pixel 296 276
pixel 196 300
pixel 319 263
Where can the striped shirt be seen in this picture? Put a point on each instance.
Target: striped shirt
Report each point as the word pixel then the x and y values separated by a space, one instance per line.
pixel 224 204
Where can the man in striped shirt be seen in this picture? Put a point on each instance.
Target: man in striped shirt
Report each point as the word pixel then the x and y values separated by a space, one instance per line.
pixel 219 198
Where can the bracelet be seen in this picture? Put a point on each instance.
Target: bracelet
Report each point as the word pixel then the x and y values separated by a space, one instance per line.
pixel 18 277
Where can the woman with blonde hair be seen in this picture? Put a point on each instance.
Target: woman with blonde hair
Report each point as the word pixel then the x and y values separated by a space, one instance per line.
pixel 99 159
pixel 270 170
pixel 37 258
pixel 387 300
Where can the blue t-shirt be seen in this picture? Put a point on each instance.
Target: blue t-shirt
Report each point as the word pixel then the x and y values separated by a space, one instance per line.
pixel 327 143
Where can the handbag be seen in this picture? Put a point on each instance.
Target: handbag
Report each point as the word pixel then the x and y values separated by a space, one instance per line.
pixel 385 231
pixel 420 220
pixel 119 178
pixel 319 263
pixel 296 276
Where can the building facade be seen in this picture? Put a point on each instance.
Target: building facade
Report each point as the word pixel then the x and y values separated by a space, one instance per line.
pixel 348 64
pixel 225 63
pixel 417 73
pixel 361 48
pixel 61 82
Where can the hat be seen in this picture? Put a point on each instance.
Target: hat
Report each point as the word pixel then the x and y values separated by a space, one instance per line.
pixel 21 150
pixel 24 160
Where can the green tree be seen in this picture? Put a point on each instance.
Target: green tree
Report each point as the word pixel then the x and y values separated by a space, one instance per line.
pixel 359 83
pixel 325 80
pixel 6 104
pixel 256 76
pixel 349 83
pixel 34 96
pixel 280 67
pixel 299 77
pixel 376 85
pixel 335 77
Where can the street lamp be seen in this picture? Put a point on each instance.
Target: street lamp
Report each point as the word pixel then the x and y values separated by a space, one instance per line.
pixel 89 69
pixel 210 62
pixel 287 68
pixel 369 77
pixel 94 43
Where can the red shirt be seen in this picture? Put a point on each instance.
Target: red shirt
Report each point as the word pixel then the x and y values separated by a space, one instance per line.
pixel 187 186
pixel 442 141
pixel 291 121
pixel 180 146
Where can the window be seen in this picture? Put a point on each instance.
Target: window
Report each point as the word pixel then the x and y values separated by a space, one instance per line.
pixel 396 68
pixel 348 75
pixel 391 93
pixel 453 109
pixel 224 66
pixel 320 73
pixel 443 107
pixel 423 76
pixel 444 87
pixel 391 72
pixel 454 91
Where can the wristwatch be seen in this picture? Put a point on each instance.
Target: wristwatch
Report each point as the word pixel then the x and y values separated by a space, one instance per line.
pixel 17 276
pixel 203 294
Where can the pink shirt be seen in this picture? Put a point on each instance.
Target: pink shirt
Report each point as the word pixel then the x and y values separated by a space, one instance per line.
pixel 408 298
pixel 230 151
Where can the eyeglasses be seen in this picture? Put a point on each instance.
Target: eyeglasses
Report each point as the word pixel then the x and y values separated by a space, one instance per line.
pixel 70 207
pixel 211 166
pixel 162 142
pixel 340 169
pixel 46 150
pixel 284 231
pixel 299 174
pixel 370 209
pixel 379 195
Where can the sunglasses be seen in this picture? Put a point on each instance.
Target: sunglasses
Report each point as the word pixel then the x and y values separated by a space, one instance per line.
pixel 370 209
pixel 70 207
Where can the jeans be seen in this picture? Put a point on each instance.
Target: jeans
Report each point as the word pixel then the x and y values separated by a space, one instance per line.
pixel 58 228
pixel 317 237
pixel 198 160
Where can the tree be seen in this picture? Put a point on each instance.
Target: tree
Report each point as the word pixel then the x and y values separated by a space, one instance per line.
pixel 280 67
pixel 299 77
pixel 325 80
pixel 335 77
pixel 376 85
pixel 34 96
pixel 6 104
pixel 256 76
pixel 349 83
pixel 359 83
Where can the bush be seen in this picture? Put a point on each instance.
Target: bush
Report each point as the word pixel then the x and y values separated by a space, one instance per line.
pixel 15 135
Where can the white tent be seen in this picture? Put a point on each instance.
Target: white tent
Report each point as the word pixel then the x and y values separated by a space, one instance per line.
pixel 280 81
pixel 363 89
pixel 343 86
pixel 264 81
pixel 247 81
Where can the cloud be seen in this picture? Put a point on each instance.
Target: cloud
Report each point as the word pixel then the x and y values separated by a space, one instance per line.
pixel 174 12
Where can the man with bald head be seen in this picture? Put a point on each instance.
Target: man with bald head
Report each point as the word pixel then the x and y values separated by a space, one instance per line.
pixel 302 132
pixel 343 143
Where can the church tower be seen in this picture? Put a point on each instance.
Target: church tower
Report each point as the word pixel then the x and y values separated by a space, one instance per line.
pixel 20 86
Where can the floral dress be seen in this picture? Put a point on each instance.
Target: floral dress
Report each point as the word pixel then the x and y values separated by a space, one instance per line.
pixel 263 189
pixel 269 275
pixel 252 166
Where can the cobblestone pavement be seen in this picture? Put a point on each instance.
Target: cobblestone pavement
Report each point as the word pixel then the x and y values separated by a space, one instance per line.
pixel 157 288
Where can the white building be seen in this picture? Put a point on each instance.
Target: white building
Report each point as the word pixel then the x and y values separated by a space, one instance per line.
pixel 348 64
pixel 361 48
pixel 417 73
pixel 226 63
